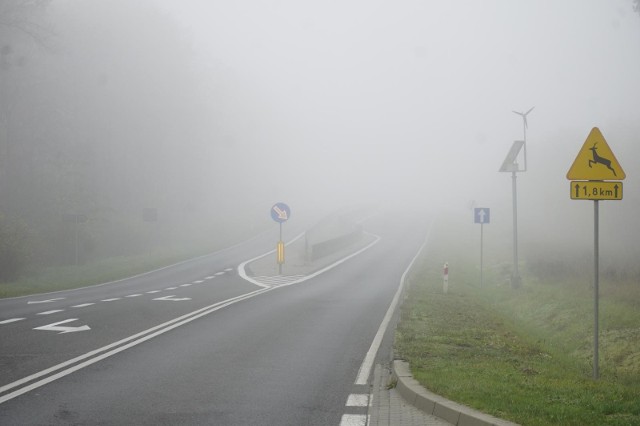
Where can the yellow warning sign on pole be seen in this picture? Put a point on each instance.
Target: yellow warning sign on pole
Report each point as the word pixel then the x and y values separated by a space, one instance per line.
pixel 595 161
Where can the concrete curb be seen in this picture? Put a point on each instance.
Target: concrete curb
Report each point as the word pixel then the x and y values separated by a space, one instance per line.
pixel 452 412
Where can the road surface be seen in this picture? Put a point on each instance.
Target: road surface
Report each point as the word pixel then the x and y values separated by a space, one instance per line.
pixel 196 343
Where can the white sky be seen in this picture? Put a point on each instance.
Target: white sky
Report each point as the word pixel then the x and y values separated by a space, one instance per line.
pixel 415 98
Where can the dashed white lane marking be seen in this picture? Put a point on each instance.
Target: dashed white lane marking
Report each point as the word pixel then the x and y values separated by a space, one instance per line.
pixel 51 312
pixel 113 299
pixel 84 305
pixel 358 400
pixel 9 321
pixel 97 355
pixel 353 420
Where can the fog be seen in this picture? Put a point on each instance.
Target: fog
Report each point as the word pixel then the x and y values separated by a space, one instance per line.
pixel 213 111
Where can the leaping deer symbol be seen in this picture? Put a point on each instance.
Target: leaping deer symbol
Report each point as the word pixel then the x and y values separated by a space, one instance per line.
pixel 600 160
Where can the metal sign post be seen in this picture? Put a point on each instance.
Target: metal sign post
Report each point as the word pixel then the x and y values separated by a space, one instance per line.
pixel 592 169
pixel 280 212
pixel 510 164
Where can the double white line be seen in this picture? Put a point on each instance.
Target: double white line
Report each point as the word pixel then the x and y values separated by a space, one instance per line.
pixel 56 372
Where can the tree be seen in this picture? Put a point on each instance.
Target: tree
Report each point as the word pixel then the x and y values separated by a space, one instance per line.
pixel 23 18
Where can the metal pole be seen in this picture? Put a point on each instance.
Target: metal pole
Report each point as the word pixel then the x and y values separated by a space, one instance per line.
pixel 596 284
pixel 76 242
pixel 280 264
pixel 481 248
pixel 515 277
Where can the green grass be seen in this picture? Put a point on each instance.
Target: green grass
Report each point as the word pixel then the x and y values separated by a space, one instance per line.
pixel 113 268
pixel 524 355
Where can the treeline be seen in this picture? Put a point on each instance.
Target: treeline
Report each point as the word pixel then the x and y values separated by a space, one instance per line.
pixel 106 133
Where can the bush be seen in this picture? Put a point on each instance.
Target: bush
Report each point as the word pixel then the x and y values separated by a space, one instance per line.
pixel 15 248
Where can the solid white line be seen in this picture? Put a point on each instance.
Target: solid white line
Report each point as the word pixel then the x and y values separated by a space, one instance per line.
pixel 116 347
pixel 83 305
pixel 367 363
pixel 243 273
pixel 9 321
pixel 51 312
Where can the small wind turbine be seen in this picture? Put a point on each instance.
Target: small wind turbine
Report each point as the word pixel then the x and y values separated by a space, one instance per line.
pixel 525 125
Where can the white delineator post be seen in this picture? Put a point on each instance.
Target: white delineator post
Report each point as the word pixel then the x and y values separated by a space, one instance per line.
pixel 445 275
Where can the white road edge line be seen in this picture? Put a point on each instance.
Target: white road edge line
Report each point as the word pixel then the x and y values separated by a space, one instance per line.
pixel 243 273
pixel 367 363
pixel 116 347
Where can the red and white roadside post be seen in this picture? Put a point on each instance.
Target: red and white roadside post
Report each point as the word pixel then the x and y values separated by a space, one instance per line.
pixel 445 275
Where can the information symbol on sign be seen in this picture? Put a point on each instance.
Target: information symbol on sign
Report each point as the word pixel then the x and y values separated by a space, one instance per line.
pixel 481 215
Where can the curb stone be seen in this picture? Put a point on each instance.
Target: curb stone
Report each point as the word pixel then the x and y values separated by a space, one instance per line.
pixel 427 401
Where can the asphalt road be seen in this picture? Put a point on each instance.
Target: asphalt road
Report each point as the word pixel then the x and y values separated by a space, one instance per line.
pixel 196 343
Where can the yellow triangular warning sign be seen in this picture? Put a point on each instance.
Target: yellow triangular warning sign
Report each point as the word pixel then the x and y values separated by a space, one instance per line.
pixel 595 161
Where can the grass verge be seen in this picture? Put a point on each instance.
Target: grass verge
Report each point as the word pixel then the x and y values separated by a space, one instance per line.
pixel 113 268
pixel 524 355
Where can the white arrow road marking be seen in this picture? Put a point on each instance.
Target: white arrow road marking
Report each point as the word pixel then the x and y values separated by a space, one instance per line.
pixel 173 298
pixel 32 302
pixel 57 327
pixel 82 361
